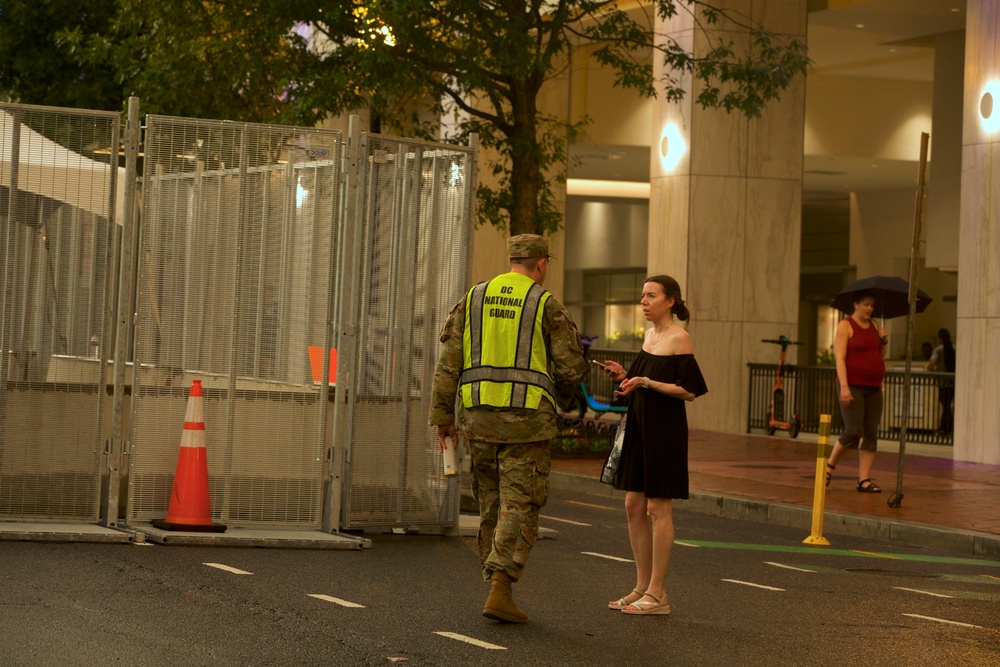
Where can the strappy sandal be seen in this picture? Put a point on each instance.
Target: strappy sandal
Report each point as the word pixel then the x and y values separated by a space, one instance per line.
pixel 871 488
pixel 640 608
pixel 624 602
pixel 829 474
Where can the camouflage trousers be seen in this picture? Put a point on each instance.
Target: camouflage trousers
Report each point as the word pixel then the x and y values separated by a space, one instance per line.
pixel 511 484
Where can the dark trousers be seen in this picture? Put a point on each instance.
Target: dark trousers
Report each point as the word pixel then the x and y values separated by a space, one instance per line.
pixel 862 417
pixel 945 396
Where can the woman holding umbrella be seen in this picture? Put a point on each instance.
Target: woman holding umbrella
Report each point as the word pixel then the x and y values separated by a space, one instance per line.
pixel 860 350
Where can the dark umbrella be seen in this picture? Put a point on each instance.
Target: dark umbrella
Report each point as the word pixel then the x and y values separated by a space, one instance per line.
pixel 892 297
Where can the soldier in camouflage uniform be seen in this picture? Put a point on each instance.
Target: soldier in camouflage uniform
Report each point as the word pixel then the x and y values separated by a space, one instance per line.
pixel 509 443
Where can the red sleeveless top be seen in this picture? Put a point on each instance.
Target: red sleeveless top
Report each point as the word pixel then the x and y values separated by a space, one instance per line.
pixel 865 366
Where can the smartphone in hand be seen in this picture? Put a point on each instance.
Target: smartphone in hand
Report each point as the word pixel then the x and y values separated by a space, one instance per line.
pixel 603 367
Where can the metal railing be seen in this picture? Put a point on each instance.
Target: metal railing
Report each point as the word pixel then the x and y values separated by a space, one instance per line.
pixel 812 390
pixel 599 385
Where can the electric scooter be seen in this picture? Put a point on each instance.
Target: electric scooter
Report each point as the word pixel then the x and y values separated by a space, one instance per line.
pixel 776 413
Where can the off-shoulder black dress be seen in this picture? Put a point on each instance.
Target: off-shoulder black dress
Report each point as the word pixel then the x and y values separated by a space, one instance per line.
pixel 654 453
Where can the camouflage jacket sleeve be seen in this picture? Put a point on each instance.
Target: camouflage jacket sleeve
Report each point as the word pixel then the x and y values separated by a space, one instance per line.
pixel 566 363
pixel 448 369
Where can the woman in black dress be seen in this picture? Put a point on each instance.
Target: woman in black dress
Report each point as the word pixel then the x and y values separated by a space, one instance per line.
pixel 653 468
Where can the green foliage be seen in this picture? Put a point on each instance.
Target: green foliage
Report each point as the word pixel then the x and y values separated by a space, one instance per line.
pixel 579 441
pixel 206 59
pixel 480 65
pixel 35 68
pixel 826 357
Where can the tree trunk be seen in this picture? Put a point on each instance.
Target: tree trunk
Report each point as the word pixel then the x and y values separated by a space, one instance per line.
pixel 524 164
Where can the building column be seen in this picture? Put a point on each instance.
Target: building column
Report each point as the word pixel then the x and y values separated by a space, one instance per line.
pixel 977 369
pixel 725 215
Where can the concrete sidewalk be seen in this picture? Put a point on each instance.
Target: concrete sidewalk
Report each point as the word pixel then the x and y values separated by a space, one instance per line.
pixel 947 505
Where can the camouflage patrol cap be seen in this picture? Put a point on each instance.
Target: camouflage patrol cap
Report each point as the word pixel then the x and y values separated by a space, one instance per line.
pixel 524 246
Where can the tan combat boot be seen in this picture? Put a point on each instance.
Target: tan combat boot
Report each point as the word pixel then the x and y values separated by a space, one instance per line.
pixel 500 605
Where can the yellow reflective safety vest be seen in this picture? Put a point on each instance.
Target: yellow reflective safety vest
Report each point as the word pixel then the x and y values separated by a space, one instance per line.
pixel 506 363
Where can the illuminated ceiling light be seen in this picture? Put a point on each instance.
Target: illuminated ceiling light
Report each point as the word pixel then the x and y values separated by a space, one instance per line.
pixel 988 112
pixel 859 25
pixel 672 147
pixel 585 187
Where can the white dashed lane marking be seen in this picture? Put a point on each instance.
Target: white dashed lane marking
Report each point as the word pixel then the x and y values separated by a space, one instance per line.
pixel 747 583
pixel 788 567
pixel 943 620
pixel 600 507
pixel 620 560
pixel 917 590
pixel 574 523
pixel 342 603
pixel 226 568
pixel 470 640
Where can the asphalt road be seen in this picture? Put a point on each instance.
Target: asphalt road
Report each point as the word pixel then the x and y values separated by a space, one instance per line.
pixel 741 594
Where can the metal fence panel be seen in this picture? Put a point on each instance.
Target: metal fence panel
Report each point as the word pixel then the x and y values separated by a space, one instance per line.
pixel 812 390
pixel 58 179
pixel 236 259
pixel 413 253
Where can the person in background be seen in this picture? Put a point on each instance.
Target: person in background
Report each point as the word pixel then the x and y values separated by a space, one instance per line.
pixel 944 354
pixel 927 351
pixel 653 469
pixel 860 352
pixel 511 352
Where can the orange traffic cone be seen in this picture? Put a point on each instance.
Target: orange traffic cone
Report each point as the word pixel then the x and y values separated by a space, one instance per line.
pixel 189 500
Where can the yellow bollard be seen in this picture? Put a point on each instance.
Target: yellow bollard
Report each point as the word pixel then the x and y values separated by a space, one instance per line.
pixel 819 494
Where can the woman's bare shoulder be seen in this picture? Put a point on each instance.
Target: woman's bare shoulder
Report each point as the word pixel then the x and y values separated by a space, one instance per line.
pixel 680 342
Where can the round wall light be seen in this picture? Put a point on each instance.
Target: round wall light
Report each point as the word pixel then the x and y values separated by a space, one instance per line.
pixel 672 147
pixel 989 114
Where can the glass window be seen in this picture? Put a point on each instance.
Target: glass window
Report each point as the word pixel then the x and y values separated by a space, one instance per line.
pixel 610 307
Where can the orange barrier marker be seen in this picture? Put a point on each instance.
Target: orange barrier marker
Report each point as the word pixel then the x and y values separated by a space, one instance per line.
pixel 189 501
pixel 316 363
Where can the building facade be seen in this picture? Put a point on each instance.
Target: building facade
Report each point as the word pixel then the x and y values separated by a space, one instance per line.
pixel 763 221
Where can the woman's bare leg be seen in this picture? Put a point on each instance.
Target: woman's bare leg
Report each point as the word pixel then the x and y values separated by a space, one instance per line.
pixel 640 536
pixel 662 543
